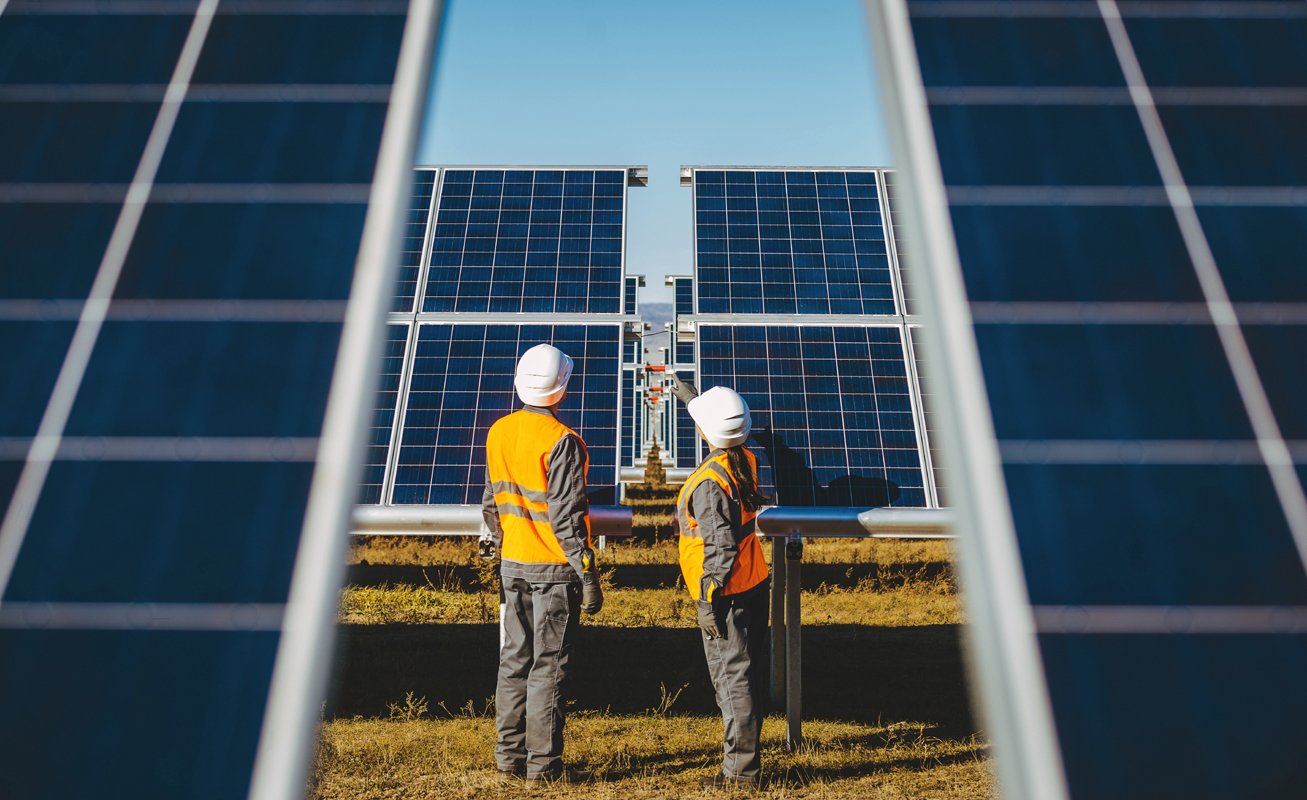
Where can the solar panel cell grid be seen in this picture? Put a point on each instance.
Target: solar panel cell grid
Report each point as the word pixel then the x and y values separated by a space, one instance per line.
pixel 797 242
pixel 383 417
pixel 528 241
pixel 831 406
pixel 1141 489
pixel 183 476
pixel 629 304
pixel 462 382
pixel 684 289
pixel 415 233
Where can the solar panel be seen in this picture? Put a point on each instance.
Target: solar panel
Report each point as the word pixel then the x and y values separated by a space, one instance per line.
pixel 382 430
pixel 832 410
pixel 528 241
pixel 183 189
pixel 416 229
pixel 790 242
pixel 929 418
pixel 1124 187
pixel 687 439
pixel 629 303
pixel 462 382
pixel 683 288
pixel 632 428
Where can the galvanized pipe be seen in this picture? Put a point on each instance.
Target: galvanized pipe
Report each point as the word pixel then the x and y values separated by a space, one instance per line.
pixel 463 520
pixel 856 523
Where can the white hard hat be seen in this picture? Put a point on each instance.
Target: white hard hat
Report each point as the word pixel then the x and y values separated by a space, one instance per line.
pixel 722 415
pixel 542 375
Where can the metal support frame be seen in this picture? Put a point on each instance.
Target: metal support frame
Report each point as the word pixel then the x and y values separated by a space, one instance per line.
pixel 462 520
pixel 787 526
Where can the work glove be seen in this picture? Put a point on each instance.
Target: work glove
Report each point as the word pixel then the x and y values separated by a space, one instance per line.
pixel 487 549
pixel 685 392
pixel 708 620
pixel 592 596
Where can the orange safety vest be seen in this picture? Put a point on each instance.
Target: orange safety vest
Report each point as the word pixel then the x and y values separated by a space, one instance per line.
pixel 750 568
pixel 517 458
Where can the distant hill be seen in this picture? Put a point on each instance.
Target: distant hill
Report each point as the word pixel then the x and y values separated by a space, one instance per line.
pixel 657 315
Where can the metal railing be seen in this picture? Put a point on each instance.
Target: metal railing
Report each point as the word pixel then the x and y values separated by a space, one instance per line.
pixel 786 526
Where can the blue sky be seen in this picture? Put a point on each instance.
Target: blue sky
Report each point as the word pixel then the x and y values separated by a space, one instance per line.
pixel 662 83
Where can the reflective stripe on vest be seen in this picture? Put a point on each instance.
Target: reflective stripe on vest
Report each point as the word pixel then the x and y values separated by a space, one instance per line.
pixel 517 459
pixel 750 568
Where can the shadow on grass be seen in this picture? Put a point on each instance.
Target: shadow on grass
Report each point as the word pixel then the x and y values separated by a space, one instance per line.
pixel 851 672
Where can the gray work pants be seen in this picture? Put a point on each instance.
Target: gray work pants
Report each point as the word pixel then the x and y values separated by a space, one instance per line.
pixel 535 648
pixel 737 664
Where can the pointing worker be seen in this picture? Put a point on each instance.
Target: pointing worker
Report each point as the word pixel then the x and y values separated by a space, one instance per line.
pixel 535 509
pixel 725 572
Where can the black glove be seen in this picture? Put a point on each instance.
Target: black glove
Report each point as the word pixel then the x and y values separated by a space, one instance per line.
pixel 592 596
pixel 486 549
pixel 685 392
pixel 708 619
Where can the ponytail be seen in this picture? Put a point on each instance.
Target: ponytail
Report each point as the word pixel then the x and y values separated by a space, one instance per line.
pixel 745 478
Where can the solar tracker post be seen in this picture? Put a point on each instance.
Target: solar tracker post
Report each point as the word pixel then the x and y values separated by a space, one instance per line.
pixel 778 622
pixel 793 643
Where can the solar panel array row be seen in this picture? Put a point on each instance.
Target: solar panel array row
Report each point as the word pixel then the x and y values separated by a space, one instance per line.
pixel 500 242
pixel 1151 488
pixel 802 243
pixel 182 361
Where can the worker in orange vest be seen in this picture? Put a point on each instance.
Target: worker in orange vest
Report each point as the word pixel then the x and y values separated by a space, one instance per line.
pixel 724 570
pixel 536 512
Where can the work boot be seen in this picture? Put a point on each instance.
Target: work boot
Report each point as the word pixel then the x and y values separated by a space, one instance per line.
pixel 561 776
pixel 720 781
pixel 515 773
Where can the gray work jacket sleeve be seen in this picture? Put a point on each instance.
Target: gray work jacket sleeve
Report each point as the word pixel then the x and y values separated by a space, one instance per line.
pixel 490 515
pixel 712 509
pixel 569 507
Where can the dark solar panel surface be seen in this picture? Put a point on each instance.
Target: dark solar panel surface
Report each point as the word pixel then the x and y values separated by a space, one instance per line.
pixel 1130 460
pixel 929 418
pixel 544 240
pixel 687 454
pixel 415 234
pixel 632 425
pixel 832 411
pixel 790 242
pixel 462 382
pixel 629 303
pixel 684 295
pixel 189 451
pixel 383 417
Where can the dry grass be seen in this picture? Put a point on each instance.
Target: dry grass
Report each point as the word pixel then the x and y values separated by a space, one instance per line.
pixel 427 551
pixel 645 756
pixel 889 606
pixel 909 604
